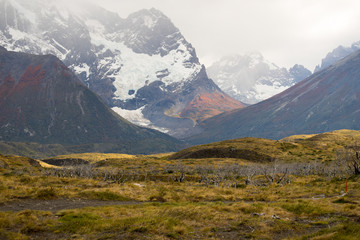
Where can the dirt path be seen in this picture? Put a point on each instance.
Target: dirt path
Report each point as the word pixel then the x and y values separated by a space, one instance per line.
pixel 59 204
pixel 55 205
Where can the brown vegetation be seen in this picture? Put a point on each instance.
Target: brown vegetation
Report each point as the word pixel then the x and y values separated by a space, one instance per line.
pixel 162 197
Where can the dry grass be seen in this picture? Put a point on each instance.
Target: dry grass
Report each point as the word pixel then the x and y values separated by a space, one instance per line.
pixel 186 220
pixel 45 165
pixel 303 207
pixel 95 157
pixel 298 148
pixel 330 141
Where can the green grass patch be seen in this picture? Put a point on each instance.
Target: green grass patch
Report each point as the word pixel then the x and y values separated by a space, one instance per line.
pixel 307 208
pixel 75 222
pixel 103 195
pixel 345 231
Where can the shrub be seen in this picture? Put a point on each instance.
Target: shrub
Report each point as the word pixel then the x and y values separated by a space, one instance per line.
pixel 343 200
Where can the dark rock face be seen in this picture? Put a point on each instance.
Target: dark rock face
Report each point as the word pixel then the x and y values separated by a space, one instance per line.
pixel 299 73
pixel 130 63
pixel 152 33
pixel 41 100
pixel 328 100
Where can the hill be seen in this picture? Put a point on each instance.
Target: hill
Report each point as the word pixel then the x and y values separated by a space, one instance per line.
pixel 298 148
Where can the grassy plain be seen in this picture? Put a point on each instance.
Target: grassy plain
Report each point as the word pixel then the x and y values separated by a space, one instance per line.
pixel 171 196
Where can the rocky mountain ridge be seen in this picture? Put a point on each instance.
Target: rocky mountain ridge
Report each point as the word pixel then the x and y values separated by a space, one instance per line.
pixel 337 54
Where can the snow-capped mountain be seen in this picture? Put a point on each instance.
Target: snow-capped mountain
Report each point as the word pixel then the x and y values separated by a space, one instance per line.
pixel 250 78
pixel 337 54
pixel 141 66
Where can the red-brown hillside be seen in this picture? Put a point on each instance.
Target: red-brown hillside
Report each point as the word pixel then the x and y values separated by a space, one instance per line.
pixel 207 105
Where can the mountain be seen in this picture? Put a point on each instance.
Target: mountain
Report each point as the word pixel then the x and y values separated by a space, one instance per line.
pixel 43 101
pixel 250 78
pixel 141 66
pixel 327 100
pixel 336 55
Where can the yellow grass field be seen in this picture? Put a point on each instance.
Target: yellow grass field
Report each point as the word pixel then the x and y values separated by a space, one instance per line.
pixel 300 192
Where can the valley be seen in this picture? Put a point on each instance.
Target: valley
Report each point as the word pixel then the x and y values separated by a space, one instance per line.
pixel 113 128
pixel 302 189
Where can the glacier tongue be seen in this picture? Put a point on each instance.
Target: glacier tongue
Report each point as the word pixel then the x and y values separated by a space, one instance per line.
pixel 134 116
pixel 138 118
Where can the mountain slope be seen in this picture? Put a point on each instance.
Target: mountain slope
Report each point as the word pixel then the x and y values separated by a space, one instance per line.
pixel 327 100
pixel 140 66
pixel 250 78
pixel 42 101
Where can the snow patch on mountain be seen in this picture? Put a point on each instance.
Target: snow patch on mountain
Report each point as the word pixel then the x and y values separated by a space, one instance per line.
pixel 81 68
pixel 138 118
pixel 132 71
pixel 263 91
pixel 34 43
pixel 134 116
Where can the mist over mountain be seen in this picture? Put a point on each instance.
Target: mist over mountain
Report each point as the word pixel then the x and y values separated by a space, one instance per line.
pixel 250 78
pixel 141 66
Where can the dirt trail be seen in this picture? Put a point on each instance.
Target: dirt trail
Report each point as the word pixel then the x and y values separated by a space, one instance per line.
pixel 55 205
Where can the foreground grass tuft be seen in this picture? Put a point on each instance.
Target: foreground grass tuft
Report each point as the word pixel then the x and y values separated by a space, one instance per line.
pixel 103 195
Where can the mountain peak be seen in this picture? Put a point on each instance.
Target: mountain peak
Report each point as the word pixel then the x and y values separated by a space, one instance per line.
pixel 255 55
pixel 299 72
pixel 154 12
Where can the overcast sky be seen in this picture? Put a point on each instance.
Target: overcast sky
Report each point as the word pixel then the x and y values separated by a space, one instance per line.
pixel 286 32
